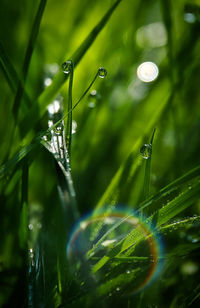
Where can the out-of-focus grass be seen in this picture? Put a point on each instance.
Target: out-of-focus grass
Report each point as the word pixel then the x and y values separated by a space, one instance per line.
pixel 112 125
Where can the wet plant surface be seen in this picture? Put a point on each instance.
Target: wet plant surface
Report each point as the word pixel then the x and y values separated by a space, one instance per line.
pixel 100 167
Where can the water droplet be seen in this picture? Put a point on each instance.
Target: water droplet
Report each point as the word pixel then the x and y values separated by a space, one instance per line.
pixel 74 127
pixel 67 67
pixel 47 81
pixel 30 226
pixel 189 268
pixel 102 72
pixel 117 289
pixel 146 151
pixel 128 272
pixel 191 13
pixel 91 105
pixel 93 93
pixel 58 129
pixel 47 137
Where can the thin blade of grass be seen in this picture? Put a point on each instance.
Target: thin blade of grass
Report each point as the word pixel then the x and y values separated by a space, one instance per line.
pixel 69 109
pixel 28 55
pixel 12 76
pixel 158 218
pixel 17 158
pixel 147 173
pixel 130 165
pixel 8 68
pixel 31 118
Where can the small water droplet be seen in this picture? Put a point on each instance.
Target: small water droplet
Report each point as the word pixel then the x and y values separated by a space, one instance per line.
pixel 91 105
pixel 67 67
pixel 117 289
pixel 191 13
pixel 47 137
pixel 30 226
pixel 74 127
pixel 102 72
pixel 146 151
pixel 93 93
pixel 128 272
pixel 58 129
pixel 47 81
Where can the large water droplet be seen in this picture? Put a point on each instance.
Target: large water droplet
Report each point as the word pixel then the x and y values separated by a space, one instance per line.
pixel 67 67
pixel 102 72
pixel 146 151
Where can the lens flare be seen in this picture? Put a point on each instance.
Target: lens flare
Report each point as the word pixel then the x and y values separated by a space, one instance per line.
pixel 118 250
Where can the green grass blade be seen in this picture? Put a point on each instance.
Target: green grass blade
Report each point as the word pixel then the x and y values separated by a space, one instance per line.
pixel 190 175
pixel 28 55
pixel 17 158
pixel 50 92
pixel 69 111
pixel 128 168
pixel 148 170
pixel 167 212
pixel 8 68
pixel 23 229
pixel 11 75
pixel 158 218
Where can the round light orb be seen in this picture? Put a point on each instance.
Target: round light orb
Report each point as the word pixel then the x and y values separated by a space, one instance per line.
pixel 147 71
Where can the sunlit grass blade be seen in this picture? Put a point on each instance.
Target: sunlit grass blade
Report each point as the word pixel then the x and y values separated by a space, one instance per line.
pixel 128 168
pixel 69 110
pixel 147 147
pixel 167 212
pixel 28 55
pixel 17 158
pixel 160 216
pixel 50 92
pixel 174 186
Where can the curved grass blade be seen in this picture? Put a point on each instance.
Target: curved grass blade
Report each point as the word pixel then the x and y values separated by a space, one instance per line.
pixel 8 166
pixel 31 118
pixel 28 55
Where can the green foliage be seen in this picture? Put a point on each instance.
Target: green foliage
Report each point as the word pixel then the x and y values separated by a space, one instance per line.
pixel 132 161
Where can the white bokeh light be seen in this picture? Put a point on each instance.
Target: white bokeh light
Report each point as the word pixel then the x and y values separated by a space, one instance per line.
pixel 147 71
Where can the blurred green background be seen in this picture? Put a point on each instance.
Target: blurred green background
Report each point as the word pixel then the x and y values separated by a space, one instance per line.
pixel 114 120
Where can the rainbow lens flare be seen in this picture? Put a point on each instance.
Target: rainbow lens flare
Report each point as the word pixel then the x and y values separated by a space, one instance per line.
pixel 115 251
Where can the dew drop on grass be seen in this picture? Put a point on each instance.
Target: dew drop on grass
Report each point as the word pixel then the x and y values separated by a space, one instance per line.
pixel 74 127
pixel 146 151
pixel 58 129
pixel 102 72
pixel 66 67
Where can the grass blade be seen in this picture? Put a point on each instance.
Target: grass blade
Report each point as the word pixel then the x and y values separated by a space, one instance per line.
pixel 148 169
pixel 28 55
pixel 158 218
pixel 69 109
pixel 128 168
pixel 50 92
